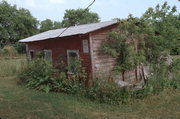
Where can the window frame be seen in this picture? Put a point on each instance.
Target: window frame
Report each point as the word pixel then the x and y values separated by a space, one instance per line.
pixel 85 45
pixel 29 55
pixel 71 51
pixel 48 50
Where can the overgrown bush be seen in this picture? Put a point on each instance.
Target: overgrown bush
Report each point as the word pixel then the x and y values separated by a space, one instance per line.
pixel 20 47
pixel 164 77
pixel 38 75
pixel 76 69
pixel 108 92
pixel 65 85
pixel 41 75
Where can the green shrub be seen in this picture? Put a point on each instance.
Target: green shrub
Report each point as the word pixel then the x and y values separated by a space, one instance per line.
pixel 41 75
pixel 164 77
pixel 38 75
pixel 76 69
pixel 108 92
pixel 65 85
pixel 3 52
pixel 20 47
pixel 175 70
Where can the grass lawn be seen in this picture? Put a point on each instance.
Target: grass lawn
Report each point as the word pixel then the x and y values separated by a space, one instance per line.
pixel 17 102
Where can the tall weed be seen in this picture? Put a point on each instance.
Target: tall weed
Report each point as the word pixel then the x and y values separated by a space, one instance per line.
pixel 9 67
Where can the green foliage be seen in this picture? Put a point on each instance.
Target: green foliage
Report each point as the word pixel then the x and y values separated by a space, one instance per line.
pixel 117 46
pixel 49 25
pixel 57 25
pixel 164 20
pixel 3 52
pixel 65 85
pixel 144 40
pixel 41 75
pixel 163 77
pixel 176 65
pixel 75 67
pixel 38 75
pixel 108 92
pixel 46 25
pixel 127 44
pixel 156 86
pixel 74 81
pixel 175 70
pixel 15 23
pixel 74 17
pixel 20 47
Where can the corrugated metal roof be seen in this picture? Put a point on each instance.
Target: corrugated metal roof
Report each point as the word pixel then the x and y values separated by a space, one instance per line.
pixel 81 29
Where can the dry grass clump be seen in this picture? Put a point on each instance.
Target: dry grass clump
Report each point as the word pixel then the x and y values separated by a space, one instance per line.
pixel 8 51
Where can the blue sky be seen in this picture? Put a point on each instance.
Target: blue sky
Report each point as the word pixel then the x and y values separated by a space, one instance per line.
pixel 107 9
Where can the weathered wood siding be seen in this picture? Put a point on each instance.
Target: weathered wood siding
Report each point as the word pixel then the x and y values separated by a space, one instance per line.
pixel 103 63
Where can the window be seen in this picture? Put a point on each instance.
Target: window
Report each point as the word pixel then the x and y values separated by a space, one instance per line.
pixel 48 55
pixel 72 55
pixel 85 46
pixel 31 54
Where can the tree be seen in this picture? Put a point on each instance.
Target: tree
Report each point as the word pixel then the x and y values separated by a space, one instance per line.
pixel 144 40
pixel 57 25
pixel 166 23
pixel 127 44
pixel 26 24
pixel 49 25
pixel 15 23
pixel 46 25
pixel 74 17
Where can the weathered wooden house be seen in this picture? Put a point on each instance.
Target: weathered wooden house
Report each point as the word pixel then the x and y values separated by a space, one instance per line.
pixel 82 41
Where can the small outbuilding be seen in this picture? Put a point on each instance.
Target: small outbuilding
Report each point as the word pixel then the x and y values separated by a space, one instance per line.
pixel 82 41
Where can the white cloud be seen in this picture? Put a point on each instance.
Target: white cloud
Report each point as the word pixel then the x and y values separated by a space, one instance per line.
pixel 57 1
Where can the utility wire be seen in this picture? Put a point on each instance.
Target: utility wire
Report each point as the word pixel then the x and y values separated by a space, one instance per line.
pixel 79 16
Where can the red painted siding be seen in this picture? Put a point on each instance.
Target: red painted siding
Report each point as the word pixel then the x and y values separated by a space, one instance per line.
pixel 96 62
pixel 59 47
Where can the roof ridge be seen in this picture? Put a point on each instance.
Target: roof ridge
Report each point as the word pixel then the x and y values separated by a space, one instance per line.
pixel 73 30
pixel 83 25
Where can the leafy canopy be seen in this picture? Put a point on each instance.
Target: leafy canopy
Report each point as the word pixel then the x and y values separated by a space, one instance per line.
pixel 74 17
pixel 165 21
pixel 15 23
pixel 49 25
pixel 145 39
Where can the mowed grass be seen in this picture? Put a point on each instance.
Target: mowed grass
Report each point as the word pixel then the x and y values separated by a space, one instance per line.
pixel 17 102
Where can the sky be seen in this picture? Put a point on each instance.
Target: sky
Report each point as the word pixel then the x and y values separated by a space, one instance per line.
pixel 107 9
